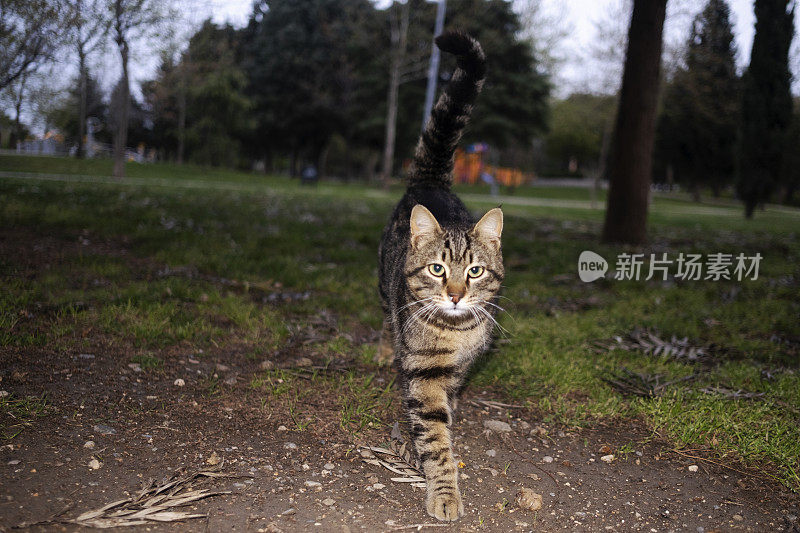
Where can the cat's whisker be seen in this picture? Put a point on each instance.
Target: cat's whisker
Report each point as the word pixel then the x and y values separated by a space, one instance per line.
pixel 488 315
pixel 415 302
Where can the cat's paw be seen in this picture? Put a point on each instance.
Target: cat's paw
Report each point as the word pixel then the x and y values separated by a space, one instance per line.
pixel 447 507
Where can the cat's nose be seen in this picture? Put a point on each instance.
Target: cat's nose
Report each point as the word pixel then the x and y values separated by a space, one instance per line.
pixel 455 296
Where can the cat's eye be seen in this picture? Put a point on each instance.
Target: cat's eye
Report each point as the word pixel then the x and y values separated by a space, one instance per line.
pixel 475 272
pixel 436 269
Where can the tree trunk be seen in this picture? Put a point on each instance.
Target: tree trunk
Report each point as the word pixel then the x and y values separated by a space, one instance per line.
pixel 694 188
pixel 16 138
pixel 399 35
pixel 632 150
pixel 322 160
pixel 182 83
pixel 82 106
pixel 121 138
pixel 182 116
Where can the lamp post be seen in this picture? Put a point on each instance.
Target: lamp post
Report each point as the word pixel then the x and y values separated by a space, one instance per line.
pixel 433 68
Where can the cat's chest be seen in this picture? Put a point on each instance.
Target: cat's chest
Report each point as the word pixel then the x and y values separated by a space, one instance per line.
pixel 457 343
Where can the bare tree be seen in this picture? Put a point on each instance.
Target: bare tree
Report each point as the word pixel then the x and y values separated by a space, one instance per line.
pixel 88 26
pixel 404 67
pixel 130 20
pixel 632 149
pixel 398 25
pixel 29 32
pixel 546 28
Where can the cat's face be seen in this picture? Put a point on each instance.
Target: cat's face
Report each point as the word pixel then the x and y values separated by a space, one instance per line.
pixel 456 273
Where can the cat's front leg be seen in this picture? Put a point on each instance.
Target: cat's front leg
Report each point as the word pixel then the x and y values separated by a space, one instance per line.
pixel 429 413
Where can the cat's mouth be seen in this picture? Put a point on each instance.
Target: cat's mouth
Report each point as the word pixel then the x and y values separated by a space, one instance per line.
pixel 454 310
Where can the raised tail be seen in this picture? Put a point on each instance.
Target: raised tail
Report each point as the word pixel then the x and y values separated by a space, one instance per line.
pixel 434 156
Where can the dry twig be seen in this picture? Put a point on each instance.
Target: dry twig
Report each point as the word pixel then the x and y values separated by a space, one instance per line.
pixel 154 503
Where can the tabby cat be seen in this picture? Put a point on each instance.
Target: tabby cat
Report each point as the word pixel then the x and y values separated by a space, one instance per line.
pixel 439 275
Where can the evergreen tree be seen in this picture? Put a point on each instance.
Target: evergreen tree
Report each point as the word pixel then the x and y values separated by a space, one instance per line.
pixel 216 106
pixel 766 104
pixel 162 96
pixel 513 107
pixel 65 119
pixel 303 60
pixel 697 127
pixel 790 175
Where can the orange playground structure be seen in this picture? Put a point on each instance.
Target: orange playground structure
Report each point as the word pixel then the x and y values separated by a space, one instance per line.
pixel 470 168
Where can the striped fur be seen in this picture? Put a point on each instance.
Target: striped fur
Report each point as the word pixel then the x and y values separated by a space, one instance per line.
pixel 439 315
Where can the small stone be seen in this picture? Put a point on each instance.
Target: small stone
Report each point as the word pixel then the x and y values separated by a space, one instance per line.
pixel 738 517
pixel 312 484
pixel 282 428
pixel 524 425
pixel 222 368
pixel 13 462
pixel 86 355
pixel 378 486
pixel 547 459
pixel 329 466
pixel 491 453
pixel 607 458
pixel 4 394
pixel 266 364
pixel 231 380
pixel 290 446
pixel 328 501
pixel 692 468
pixel 89 444
pixel 104 429
pixel 94 464
pixel 136 367
pixel 179 382
pixel 527 499
pixel 303 362
pixel 538 431
pixel 497 426
pixel 214 459
pixel 289 511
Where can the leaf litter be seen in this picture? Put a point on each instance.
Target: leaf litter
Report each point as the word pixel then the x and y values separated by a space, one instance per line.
pixel 155 502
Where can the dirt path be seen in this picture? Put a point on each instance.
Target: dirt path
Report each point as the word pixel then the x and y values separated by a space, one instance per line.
pixel 144 426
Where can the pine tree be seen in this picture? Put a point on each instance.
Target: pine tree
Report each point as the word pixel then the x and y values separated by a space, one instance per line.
pixel 697 128
pixel 766 104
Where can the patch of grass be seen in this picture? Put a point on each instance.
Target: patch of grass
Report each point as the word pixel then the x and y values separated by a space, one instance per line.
pixel 362 402
pixel 148 361
pixel 18 413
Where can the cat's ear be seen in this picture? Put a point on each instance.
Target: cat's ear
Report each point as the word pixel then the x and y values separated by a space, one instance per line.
pixel 490 226
pixel 423 224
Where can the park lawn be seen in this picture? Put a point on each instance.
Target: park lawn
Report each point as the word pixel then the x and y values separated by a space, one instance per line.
pixel 154 266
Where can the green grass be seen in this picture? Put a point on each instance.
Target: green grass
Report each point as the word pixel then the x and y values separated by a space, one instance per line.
pixel 19 413
pixel 251 260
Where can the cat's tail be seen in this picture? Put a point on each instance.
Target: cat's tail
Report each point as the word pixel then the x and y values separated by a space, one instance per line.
pixel 434 156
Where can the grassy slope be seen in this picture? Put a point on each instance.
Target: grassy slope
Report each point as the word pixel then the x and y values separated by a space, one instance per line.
pixel 279 236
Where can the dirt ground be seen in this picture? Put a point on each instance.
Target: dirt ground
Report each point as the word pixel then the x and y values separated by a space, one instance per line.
pixel 144 426
pixel 109 427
